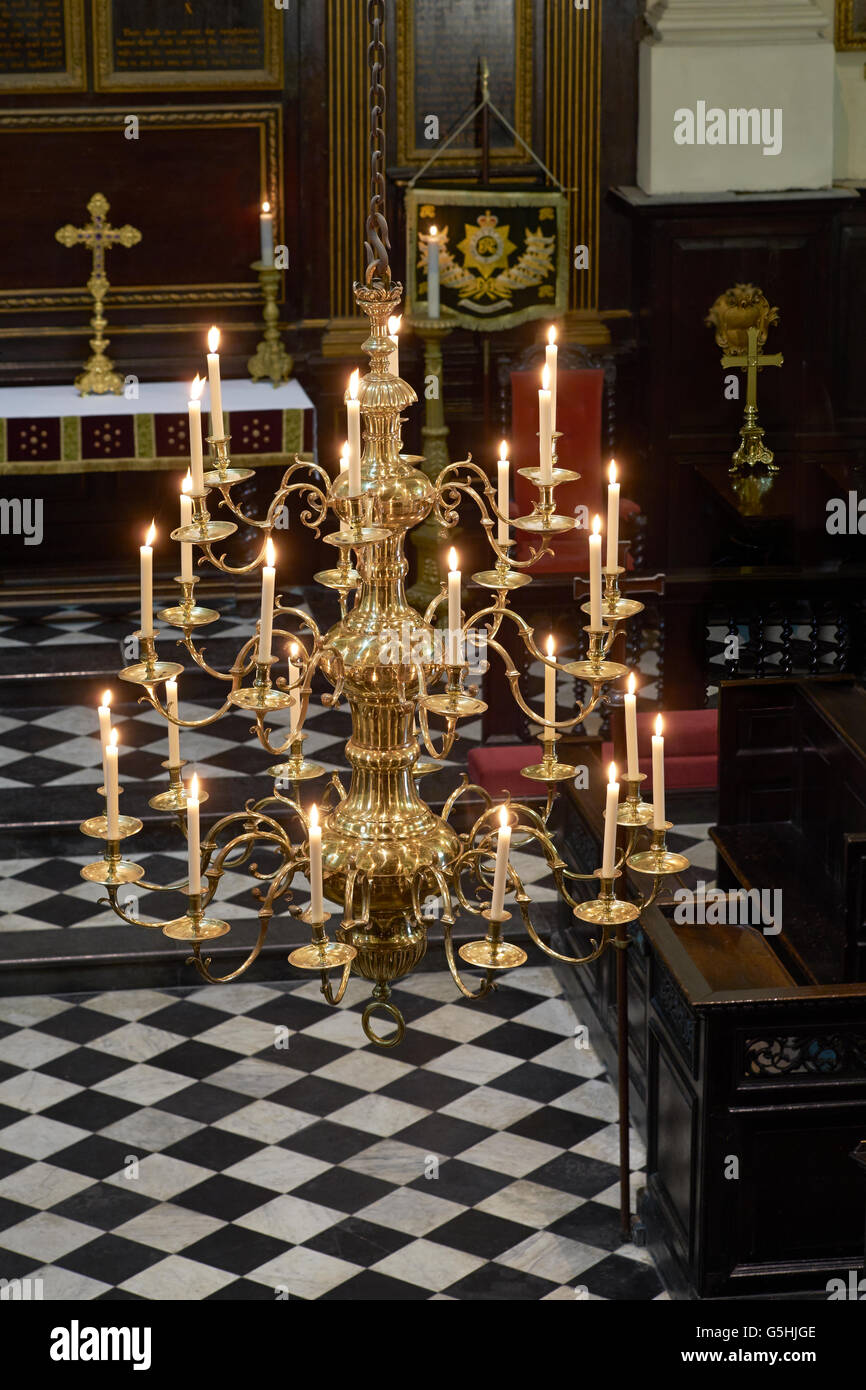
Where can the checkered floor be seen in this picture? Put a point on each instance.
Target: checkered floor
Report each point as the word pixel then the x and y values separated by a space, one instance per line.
pixel 239 1142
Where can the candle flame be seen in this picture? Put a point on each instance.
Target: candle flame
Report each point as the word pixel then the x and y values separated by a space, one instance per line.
pixel 434 231
pixel 658 726
pixel 551 334
pixel 611 774
pixel 596 525
pixel 394 324
pixel 112 738
pixel 503 817
pixel 503 450
pixel 293 650
pixel 186 485
pixel 452 560
pixel 611 472
pixel 270 553
pixel 151 534
pixel 213 339
pixel 314 817
pixel 106 699
pixel 193 788
pixel 545 378
pixel 632 683
pixel 197 387
pixel 551 645
pixel 353 383
pixel 266 207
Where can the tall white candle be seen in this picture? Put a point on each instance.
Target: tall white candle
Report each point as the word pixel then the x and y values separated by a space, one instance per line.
pixel 196 466
pixel 550 685
pixel 503 845
pixel 193 837
pixel 503 493
pixel 394 332
pixel 658 776
pixel 433 303
pixel 104 712
pixel 545 433
pixel 266 234
pixel 608 858
pixel 344 468
pixel 112 787
pixel 294 673
pixel 213 376
pixel 631 749
pixel 455 626
pixel 595 576
pixel 551 354
pixel 186 520
pixel 266 624
pixel 173 730
pixel 612 518
pixel 315 835
pixel 353 407
pixel 146 566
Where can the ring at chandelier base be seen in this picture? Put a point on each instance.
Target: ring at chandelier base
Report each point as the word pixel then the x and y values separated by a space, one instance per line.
pixel 394 1013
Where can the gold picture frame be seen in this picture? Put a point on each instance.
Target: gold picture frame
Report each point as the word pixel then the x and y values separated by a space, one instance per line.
pixel 74 77
pixel 408 152
pixel 107 78
pixel 850 25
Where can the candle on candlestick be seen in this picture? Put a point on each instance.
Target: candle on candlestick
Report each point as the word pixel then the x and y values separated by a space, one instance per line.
pixel 608 858
pixel 550 685
pixel 315 834
pixel 630 706
pixel 550 357
pixel 545 436
pixel 595 576
pixel 266 623
pixel 146 556
pixel 196 466
pixel 394 332
pixel 455 625
pixel 294 672
pixel 344 468
pixel 112 788
pixel 353 407
pixel 433 303
pixel 503 845
pixel 503 498
pixel 658 777
pixel 266 234
pixel 213 376
pixel 186 520
pixel 104 712
pixel 173 730
pixel 193 837
pixel 612 518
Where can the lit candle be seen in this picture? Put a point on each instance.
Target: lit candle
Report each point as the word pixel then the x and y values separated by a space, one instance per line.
pixel 503 845
pixel 503 499
pixel 196 467
pixel 455 625
pixel 344 468
pixel 353 406
pixel 595 576
pixel 266 234
pixel 630 705
pixel 193 837
pixel 112 788
pixel 104 712
pixel 315 832
pixel 608 858
pixel 545 437
pixel 612 518
pixel 266 623
pixel 550 358
pixel 658 776
pixel 186 520
pixel 433 306
pixel 213 376
pixel 173 730
pixel 294 673
pixel 394 332
pixel 550 685
pixel 146 553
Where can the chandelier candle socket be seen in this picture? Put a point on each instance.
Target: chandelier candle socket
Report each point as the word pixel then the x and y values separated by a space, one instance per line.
pixel 612 518
pixel 173 730
pixel 213 376
pixel 658 777
pixel 315 839
pixel 550 685
pixel 193 837
pixel 394 323
pixel 455 625
pixel 545 429
pixel 503 845
pixel 196 463
pixel 551 354
pixel 503 494
pixel 353 408
pixel 433 291
pixel 112 788
pixel 146 564
pixel 608 857
pixel 595 575
pixel 630 709
pixel 104 712
pixel 266 622
pixel 266 235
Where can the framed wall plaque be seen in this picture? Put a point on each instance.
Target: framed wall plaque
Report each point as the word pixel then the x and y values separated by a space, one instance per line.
pixel 850 24
pixel 187 45
pixel 42 46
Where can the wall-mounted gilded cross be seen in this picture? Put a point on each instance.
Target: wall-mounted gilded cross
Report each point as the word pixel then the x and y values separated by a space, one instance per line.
pixel 741 317
pixel 99 376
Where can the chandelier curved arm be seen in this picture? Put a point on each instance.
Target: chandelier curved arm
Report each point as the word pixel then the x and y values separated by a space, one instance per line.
pixel 512 675
pixel 486 985
pixel 333 996
pixel 220 563
pixel 150 698
pixel 446 510
pixel 448 736
pixel 112 902
pixel 598 947
pixel 241 667
pixel 464 786
pixel 304 691
pixel 203 966
pixel 433 606
pixel 317 498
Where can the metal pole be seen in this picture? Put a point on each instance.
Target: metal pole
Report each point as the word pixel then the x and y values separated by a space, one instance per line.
pixel 621 942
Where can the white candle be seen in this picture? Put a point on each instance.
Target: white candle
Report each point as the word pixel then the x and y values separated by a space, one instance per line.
pixel 608 858
pixel 394 332
pixel 503 845
pixel 196 467
pixel 455 626
pixel 266 624
pixel 344 468
pixel 213 376
pixel 186 520
pixel 595 576
pixel 433 305
pixel 503 498
pixel 173 730
pixel 266 234
pixel 146 558
pixel 112 787
pixel 315 833
pixel 294 672
pixel 545 435
pixel 193 837
pixel 353 407
pixel 550 358
pixel 658 776
pixel 104 712
pixel 630 705
pixel 550 685
pixel 612 518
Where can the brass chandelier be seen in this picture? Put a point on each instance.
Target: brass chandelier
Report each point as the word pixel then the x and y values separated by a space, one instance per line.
pixel 376 853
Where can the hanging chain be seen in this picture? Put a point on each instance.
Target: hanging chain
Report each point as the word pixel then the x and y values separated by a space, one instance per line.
pixel 378 242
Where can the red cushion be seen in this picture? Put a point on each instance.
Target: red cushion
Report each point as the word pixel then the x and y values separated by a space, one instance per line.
pixel 497 767
pixel 691 748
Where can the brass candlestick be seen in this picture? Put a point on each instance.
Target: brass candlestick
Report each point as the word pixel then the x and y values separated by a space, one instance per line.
pixel 634 810
pixel 175 798
pixel 221 473
pixel 270 361
pixel 194 925
pixel 187 614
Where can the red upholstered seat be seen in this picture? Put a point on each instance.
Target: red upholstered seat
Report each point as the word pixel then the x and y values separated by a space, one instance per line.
pixel 496 768
pixel 691 749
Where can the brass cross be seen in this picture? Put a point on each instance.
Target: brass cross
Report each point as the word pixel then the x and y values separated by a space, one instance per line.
pixel 753 361
pixel 98 236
